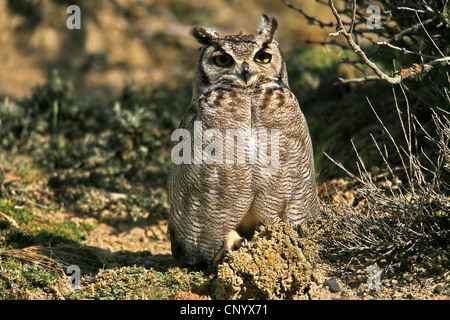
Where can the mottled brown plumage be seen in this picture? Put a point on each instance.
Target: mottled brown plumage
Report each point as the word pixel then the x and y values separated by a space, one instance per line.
pixel 256 163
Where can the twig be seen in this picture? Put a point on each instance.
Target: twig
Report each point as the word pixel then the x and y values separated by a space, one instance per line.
pixel 352 25
pixel 22 199
pixel 411 9
pixel 381 153
pixel 360 80
pixel 431 39
pixel 410 29
pixel 340 165
pixel 405 51
pixel 395 145
pixel 407 137
pixel 10 220
pixel 416 70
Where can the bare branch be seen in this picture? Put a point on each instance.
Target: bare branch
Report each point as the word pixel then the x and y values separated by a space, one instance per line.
pixel 360 80
pixel 394 144
pixel 357 49
pixel 411 9
pixel 406 51
pixel 416 70
pixel 354 29
pixel 352 25
pixel 410 29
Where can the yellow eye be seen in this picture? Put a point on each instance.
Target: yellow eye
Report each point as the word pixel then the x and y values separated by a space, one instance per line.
pixel 263 57
pixel 223 60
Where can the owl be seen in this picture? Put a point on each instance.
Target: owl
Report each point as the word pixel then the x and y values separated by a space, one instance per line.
pixel 244 157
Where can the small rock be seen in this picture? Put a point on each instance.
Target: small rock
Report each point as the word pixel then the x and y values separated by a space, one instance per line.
pixel 438 289
pixel 332 285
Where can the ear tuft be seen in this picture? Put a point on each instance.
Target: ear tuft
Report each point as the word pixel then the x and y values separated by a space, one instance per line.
pixel 267 27
pixel 203 35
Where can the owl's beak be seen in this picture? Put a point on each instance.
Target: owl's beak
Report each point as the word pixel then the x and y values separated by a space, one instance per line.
pixel 245 74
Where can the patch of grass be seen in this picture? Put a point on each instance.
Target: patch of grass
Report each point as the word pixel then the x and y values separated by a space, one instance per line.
pixel 70 230
pixel 138 283
pixel 32 230
pixel 24 280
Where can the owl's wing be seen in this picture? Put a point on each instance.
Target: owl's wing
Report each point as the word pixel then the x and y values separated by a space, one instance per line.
pixel 207 198
pixel 287 191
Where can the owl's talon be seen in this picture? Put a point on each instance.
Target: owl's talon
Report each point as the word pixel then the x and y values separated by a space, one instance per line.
pixel 260 227
pixel 232 242
pixel 243 243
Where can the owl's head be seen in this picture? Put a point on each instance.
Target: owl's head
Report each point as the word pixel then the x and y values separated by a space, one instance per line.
pixel 244 60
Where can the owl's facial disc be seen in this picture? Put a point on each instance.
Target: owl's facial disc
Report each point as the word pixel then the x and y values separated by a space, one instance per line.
pixel 245 65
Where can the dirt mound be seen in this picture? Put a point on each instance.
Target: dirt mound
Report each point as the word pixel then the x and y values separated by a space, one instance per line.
pixel 279 263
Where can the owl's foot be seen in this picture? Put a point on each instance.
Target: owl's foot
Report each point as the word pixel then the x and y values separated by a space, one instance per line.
pixel 260 226
pixel 233 242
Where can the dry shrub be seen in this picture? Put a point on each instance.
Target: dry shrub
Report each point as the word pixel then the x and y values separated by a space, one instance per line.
pixel 403 217
pixel 402 220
